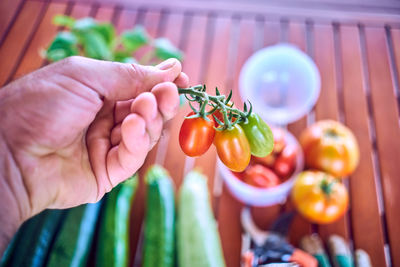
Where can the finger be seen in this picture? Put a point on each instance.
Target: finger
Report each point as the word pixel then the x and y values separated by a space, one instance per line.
pixel 122 109
pixel 117 81
pixel 145 105
pixel 182 81
pixel 126 158
pixel 116 135
pixel 167 99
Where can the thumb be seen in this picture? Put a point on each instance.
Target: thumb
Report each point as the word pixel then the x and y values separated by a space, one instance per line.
pixel 118 81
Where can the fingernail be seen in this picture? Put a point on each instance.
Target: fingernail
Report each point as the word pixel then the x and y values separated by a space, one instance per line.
pixel 167 64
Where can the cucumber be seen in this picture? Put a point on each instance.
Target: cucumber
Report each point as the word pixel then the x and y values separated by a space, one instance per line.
pixel 34 239
pixel 113 239
pixel 73 242
pixel 159 228
pixel 199 244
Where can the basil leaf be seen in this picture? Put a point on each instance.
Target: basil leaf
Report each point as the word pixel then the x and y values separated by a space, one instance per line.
pixel 84 25
pixel 164 49
pixel 107 31
pixel 95 46
pixel 133 39
pixel 62 20
pixel 63 45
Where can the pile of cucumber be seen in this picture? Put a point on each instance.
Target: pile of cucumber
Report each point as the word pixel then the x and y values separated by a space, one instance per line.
pixel 98 234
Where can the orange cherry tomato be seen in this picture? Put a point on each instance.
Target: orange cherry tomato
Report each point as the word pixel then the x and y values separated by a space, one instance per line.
pixel 233 148
pixel 279 140
pixel 330 146
pixel 260 176
pixel 196 135
pixel 319 197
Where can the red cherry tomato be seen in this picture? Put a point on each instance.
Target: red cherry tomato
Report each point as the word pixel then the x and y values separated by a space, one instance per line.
pixel 286 161
pixel 279 140
pixel 233 148
pixel 196 135
pixel 260 176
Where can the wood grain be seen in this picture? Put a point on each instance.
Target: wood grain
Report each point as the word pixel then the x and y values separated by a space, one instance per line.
pixel 387 132
pixel 16 39
pixel 365 212
pixel 32 59
pixel 9 10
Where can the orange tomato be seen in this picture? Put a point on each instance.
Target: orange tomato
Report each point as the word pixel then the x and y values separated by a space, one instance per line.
pixel 233 148
pixel 331 147
pixel 319 197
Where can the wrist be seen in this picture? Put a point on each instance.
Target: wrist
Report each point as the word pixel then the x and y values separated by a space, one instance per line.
pixel 14 207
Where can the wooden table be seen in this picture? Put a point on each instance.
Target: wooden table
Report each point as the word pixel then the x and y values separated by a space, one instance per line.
pixel 357 53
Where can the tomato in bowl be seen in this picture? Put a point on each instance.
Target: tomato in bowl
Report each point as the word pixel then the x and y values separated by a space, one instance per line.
pixel 267 181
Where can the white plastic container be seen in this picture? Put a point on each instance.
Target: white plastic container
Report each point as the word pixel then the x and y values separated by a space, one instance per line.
pixel 263 197
pixel 283 84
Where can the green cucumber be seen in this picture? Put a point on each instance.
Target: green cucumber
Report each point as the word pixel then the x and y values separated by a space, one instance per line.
pixel 34 239
pixel 73 242
pixel 199 244
pixel 113 239
pixel 159 228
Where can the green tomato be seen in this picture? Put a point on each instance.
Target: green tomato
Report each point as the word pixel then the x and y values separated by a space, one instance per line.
pixel 259 135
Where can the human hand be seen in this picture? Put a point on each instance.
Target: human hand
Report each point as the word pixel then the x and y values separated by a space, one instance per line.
pixel 73 130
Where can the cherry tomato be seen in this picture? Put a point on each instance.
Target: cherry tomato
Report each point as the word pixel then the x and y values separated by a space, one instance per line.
pixel 330 146
pixel 269 160
pixel 259 135
pixel 260 176
pixel 286 161
pixel 319 197
pixel 233 148
pixel 196 135
pixel 279 140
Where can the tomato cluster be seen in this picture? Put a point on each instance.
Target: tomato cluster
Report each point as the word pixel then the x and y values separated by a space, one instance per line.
pixel 234 144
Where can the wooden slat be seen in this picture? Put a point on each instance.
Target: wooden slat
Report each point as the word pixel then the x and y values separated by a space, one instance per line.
pixel 396 47
pixel 8 11
pixel 327 106
pixel 364 210
pixel 215 77
pixel 43 36
pixel 126 20
pixel 229 208
pixel 17 38
pixel 270 31
pixel 80 10
pixel 174 159
pixel 192 44
pixel 300 226
pixel 384 108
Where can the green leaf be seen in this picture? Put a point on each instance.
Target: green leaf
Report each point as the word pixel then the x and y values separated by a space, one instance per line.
pixel 63 45
pixel 62 20
pixel 84 25
pixel 95 46
pixel 133 39
pixel 164 49
pixel 107 31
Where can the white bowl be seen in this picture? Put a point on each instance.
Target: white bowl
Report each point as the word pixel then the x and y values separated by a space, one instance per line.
pixel 281 82
pixel 255 196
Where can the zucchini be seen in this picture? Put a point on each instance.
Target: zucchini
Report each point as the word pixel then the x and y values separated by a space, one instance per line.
pixel 199 244
pixel 34 239
pixel 159 228
pixel 73 243
pixel 113 240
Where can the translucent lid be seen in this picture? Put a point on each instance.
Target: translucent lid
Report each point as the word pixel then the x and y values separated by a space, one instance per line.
pixel 281 82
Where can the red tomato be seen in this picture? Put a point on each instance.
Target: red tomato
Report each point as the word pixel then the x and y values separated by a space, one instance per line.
pixel 269 160
pixel 286 161
pixel 279 140
pixel 233 148
pixel 330 146
pixel 196 135
pixel 260 176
